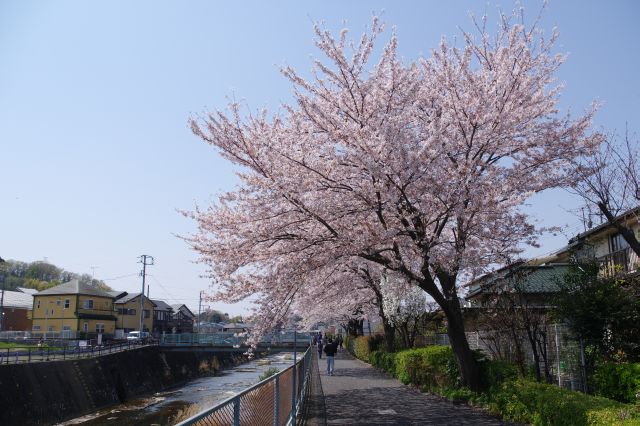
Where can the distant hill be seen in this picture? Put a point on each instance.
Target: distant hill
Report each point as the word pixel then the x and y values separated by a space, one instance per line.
pixel 41 276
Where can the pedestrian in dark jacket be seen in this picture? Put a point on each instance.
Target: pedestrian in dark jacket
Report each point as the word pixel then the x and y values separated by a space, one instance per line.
pixel 330 349
pixel 320 348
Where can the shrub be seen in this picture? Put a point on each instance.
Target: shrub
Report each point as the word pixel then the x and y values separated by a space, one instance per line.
pixel 495 373
pixel 617 381
pixel 383 360
pixel 430 368
pixel 541 404
pixel 268 373
pixel 363 346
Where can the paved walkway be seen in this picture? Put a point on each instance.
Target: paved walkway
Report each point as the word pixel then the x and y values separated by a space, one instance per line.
pixel 358 394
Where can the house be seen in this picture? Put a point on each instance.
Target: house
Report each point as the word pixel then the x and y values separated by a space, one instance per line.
pixel 128 313
pixel 74 309
pixel 162 315
pixel 535 281
pixel 182 319
pixel 606 245
pixel 15 311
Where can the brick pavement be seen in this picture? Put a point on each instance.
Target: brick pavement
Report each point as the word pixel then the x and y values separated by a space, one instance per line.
pixel 358 394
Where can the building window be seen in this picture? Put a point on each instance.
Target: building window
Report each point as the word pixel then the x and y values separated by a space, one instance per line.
pixel 38 305
pixel 66 328
pixel 131 311
pixel 146 313
pixel 99 327
pixel 58 302
pixel 50 328
pixel 85 327
pixel 36 328
pixel 67 303
pixel 618 243
pixel 88 304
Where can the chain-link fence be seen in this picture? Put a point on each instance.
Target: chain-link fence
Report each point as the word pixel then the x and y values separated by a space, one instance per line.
pixel 276 400
pixel 560 356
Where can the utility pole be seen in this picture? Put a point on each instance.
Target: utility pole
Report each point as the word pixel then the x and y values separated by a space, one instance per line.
pixel 2 300
pixel 199 310
pixel 146 260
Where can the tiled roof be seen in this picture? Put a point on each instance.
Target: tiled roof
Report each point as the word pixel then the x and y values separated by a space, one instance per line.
pixel 17 299
pixel 129 297
pixel 182 307
pixel 528 279
pixel 117 294
pixel 161 306
pixel 74 287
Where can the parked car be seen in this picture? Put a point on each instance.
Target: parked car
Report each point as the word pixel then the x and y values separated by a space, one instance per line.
pixel 137 336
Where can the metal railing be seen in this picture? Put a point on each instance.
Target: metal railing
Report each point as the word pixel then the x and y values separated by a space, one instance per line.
pixel 231 339
pixel 276 400
pixel 624 260
pixel 20 355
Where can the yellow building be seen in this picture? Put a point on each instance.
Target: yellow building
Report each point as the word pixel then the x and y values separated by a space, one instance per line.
pixel 128 313
pixel 73 309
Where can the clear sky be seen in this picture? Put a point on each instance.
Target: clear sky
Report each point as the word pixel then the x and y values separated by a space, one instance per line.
pixel 95 151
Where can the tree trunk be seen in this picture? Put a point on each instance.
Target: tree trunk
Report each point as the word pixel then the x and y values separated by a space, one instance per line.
pixel 531 334
pixel 469 368
pixel 389 335
pixel 626 232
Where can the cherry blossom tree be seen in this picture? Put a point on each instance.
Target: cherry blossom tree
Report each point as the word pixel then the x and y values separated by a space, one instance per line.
pixel 419 168
pixel 403 305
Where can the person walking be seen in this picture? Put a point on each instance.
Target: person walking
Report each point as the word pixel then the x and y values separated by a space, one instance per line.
pixel 330 349
pixel 320 348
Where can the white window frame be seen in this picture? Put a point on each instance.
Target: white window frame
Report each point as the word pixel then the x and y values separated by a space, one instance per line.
pixel 88 304
pixel 67 303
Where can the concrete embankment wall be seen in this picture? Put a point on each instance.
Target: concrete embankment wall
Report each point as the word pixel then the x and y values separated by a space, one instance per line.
pixel 49 392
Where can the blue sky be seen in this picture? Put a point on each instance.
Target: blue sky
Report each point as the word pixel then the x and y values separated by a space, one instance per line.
pixel 95 151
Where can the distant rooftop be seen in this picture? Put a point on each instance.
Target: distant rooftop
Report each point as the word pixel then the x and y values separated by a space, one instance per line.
pixel 161 305
pixel 17 299
pixel 129 297
pixel 74 287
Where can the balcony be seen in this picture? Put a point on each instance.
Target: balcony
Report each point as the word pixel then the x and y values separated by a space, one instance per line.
pixel 97 314
pixel 625 261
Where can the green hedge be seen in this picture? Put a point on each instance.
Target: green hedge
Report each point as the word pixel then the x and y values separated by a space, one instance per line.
pixel 535 403
pixel 362 346
pixel 434 369
pixel 431 368
pixel 617 381
pixel 384 361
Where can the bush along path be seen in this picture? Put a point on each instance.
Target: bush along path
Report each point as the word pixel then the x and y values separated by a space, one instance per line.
pixel 513 398
pixel 358 394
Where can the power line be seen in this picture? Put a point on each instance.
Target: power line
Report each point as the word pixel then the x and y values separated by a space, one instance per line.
pixel 167 291
pixel 121 276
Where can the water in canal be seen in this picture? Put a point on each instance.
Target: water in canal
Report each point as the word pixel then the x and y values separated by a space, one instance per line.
pixel 169 408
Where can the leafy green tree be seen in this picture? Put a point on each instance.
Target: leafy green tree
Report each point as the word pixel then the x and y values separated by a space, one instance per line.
pixel 603 311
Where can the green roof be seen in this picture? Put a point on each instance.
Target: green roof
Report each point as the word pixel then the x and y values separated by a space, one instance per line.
pixel 524 278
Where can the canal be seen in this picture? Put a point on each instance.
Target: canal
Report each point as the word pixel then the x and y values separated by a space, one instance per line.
pixel 169 408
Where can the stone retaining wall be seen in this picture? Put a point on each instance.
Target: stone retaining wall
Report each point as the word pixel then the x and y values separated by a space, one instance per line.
pixel 49 392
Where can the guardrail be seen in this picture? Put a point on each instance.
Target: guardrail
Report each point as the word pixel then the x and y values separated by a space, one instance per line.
pixel 231 339
pixel 276 400
pixel 19 355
